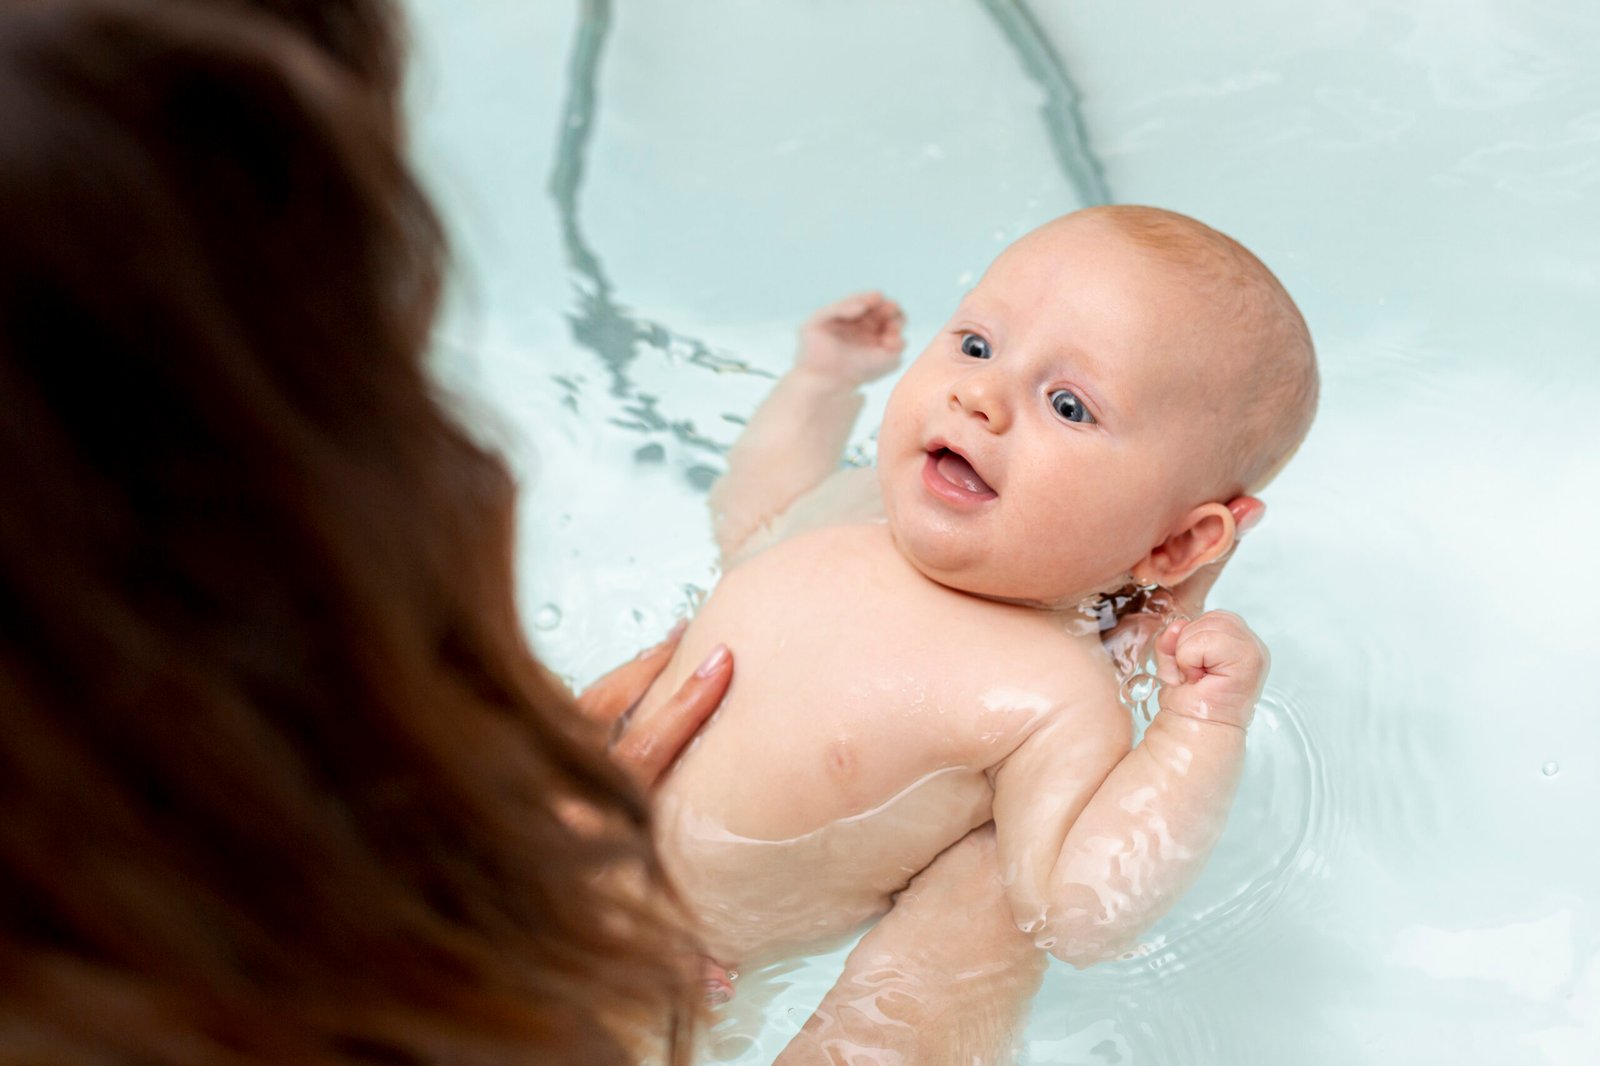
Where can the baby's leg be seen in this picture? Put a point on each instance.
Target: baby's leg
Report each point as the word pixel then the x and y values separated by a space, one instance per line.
pixel 797 436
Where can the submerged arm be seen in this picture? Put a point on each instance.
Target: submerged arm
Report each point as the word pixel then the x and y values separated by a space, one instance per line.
pixel 944 978
pixel 1087 882
pixel 797 436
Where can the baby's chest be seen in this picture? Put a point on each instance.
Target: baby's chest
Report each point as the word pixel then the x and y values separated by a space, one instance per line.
pixel 860 680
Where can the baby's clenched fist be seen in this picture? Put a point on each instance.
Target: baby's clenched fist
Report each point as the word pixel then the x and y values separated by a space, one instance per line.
pixel 1211 669
pixel 854 341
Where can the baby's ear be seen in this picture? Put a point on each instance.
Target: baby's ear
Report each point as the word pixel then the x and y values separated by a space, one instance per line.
pixel 1203 535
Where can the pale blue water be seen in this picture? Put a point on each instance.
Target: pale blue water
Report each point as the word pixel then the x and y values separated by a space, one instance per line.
pixel 645 206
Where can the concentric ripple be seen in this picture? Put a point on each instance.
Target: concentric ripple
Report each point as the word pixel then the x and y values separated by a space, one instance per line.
pixel 1267 851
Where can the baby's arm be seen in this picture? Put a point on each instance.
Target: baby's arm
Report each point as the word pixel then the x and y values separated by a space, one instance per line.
pixel 1088 877
pixel 797 436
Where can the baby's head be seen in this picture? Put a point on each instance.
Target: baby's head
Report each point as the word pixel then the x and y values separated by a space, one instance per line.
pixel 1116 377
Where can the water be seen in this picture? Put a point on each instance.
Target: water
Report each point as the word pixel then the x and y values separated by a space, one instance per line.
pixel 646 208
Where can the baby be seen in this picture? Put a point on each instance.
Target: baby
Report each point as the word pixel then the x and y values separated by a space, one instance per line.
pixel 914 660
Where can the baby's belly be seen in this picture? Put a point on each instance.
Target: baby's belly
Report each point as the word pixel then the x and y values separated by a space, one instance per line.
pixel 758 899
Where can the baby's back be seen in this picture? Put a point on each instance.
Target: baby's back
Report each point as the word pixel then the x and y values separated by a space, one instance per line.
pixel 867 707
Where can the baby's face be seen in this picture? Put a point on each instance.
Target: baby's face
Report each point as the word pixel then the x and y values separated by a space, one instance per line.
pixel 1057 428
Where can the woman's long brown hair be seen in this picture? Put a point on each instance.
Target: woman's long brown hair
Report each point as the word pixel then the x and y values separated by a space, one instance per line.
pixel 279 780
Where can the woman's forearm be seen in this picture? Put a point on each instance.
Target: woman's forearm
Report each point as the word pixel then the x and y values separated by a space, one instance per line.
pixel 945 977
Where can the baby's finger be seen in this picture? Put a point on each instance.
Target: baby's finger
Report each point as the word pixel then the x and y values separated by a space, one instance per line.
pixel 882 314
pixel 1219 644
pixel 647 749
pixel 606 699
pixel 1167 669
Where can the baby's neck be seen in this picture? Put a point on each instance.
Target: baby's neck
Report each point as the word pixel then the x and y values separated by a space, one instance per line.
pixel 1090 614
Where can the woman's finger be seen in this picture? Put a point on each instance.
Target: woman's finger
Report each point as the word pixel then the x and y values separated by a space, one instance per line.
pixel 606 699
pixel 646 749
pixel 1247 512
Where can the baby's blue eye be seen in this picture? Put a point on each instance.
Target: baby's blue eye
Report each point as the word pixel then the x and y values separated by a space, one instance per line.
pixel 975 346
pixel 1069 407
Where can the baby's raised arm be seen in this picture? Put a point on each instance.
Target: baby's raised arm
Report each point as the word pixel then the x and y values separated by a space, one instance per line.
pixel 1090 868
pixel 797 436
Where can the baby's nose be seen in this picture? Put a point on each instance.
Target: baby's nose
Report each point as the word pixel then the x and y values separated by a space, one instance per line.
pixel 977 397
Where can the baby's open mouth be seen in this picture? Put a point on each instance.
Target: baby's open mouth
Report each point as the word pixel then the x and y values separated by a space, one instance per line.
pixel 953 468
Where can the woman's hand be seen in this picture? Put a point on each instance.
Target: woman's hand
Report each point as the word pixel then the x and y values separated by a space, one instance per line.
pixel 645 750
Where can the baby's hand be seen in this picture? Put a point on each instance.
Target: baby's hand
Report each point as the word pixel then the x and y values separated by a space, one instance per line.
pixel 854 341
pixel 1211 668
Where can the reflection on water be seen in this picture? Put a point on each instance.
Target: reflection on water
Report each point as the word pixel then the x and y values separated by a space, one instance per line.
pixel 599 322
pixel 606 327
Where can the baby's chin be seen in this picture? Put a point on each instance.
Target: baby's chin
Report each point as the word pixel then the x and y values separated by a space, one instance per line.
pixel 966 568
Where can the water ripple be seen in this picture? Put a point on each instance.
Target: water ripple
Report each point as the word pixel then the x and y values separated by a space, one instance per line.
pixel 1271 851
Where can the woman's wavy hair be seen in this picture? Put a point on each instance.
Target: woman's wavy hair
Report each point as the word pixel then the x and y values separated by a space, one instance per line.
pixel 279 778
pixel 365 37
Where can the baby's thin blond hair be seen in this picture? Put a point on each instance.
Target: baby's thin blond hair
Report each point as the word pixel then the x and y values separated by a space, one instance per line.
pixel 1272 407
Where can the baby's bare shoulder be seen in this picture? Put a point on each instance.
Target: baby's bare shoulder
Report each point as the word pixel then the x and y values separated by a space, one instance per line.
pixel 1083 729
pixel 1026 679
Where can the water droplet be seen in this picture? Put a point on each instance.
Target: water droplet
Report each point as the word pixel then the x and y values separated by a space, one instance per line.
pixel 1137 689
pixel 547 617
pixel 861 455
pixel 1550 769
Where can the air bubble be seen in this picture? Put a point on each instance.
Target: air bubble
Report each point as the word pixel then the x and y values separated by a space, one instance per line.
pixel 1550 769
pixel 547 617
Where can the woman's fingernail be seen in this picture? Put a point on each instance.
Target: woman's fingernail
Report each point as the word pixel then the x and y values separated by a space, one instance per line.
pixel 677 629
pixel 714 662
pixel 1250 522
